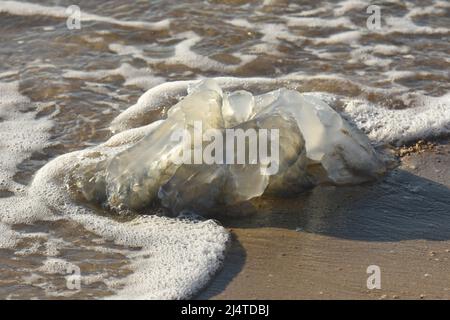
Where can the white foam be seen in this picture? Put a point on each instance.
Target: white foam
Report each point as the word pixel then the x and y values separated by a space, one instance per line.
pixel 8 237
pixel 182 53
pixel 347 37
pixel 345 6
pixel 22 134
pixel 8 73
pixel 31 9
pixel 133 77
pixel 394 75
pixel 178 257
pixel 389 50
pixel 435 9
pixel 185 55
pixel 133 51
pixel 239 22
pixel 306 19
pixel 407 26
pixel 365 55
pixel 56 266
pixel 284 29
pixel 430 119
pixel 313 12
pixel 273 33
pixel 312 22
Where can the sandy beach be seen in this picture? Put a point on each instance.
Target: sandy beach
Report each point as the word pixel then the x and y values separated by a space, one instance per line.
pixel 320 244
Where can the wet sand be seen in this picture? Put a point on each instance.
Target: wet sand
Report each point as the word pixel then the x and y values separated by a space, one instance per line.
pixel 319 245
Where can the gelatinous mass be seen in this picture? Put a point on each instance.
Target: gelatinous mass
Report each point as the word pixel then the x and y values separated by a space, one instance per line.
pixel 137 167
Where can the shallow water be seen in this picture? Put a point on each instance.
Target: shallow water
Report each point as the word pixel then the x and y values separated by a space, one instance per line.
pixel 75 82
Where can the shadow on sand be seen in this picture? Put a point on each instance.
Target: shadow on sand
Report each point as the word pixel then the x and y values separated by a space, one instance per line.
pixel 401 206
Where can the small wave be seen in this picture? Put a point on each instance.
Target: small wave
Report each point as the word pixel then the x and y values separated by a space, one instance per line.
pixel 31 9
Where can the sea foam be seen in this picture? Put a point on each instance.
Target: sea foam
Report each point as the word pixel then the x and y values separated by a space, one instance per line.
pixel 32 9
pixel 177 257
